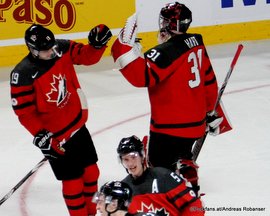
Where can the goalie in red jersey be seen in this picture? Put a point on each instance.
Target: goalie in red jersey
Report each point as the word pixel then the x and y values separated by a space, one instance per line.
pixel 181 84
pixel 48 100
pixel 156 189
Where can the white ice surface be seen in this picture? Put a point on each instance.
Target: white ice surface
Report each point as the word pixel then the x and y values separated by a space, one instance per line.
pixel 234 167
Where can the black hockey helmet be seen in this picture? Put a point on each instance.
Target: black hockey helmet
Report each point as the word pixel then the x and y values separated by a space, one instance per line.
pixel 115 190
pixel 39 38
pixel 130 144
pixel 175 18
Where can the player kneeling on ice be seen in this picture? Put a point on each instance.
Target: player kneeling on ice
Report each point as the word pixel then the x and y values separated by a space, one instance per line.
pixel 48 100
pixel 113 199
pixel 156 189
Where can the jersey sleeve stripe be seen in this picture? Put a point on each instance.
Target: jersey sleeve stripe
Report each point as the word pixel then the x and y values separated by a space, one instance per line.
pixel 188 203
pixel 209 70
pixel 183 198
pixel 181 194
pixel 22 106
pixel 20 94
pixel 212 81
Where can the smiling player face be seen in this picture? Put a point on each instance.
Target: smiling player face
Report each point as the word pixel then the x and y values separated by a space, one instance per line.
pixel 133 162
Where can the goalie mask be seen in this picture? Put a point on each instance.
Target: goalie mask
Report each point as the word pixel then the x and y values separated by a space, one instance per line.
pixel 114 191
pixel 174 18
pixel 41 42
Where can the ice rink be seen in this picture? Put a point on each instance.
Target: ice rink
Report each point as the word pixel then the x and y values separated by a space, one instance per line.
pixel 234 167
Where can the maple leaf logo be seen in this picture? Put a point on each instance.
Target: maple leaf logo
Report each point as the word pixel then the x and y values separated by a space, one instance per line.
pixel 151 208
pixel 162 212
pixel 58 91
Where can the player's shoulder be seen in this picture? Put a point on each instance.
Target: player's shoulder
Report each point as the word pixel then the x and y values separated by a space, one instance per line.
pixel 22 73
pixel 127 179
pixel 163 55
pixel 64 44
pixel 160 170
pixel 160 173
pixel 166 175
pixel 163 48
pixel 196 35
pixel 160 55
pixel 193 39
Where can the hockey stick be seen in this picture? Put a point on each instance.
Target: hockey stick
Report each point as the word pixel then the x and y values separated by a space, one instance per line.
pixel 8 195
pixel 199 143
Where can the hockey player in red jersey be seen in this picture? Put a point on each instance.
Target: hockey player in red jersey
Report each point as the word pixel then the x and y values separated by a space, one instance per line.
pixel 181 84
pixel 157 189
pixel 48 100
pixel 113 199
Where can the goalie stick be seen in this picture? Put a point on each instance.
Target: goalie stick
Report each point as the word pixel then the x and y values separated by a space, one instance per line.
pixel 8 195
pixel 199 143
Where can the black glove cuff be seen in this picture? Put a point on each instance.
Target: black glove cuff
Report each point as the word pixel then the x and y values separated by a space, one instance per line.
pixel 42 139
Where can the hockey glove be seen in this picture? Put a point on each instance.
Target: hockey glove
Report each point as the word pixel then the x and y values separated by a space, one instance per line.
pixel 126 47
pixel 213 123
pixel 99 36
pixel 48 145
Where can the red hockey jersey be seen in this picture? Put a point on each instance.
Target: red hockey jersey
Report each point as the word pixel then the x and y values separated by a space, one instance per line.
pixel 181 83
pixel 46 93
pixel 163 192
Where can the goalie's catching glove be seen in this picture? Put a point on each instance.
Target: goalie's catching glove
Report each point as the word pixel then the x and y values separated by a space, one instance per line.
pixel 48 145
pixel 213 123
pixel 126 47
pixel 99 36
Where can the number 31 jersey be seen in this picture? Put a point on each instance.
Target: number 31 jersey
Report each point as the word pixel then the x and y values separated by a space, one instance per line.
pixel 181 84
